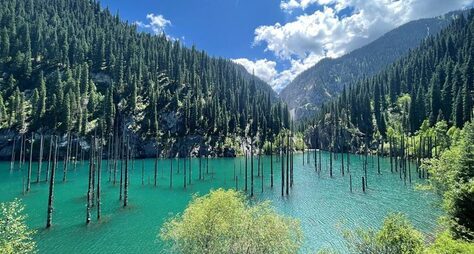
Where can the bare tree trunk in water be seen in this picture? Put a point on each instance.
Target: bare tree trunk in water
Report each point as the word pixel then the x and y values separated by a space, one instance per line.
pixel 49 217
pixel 28 185
pixel 40 158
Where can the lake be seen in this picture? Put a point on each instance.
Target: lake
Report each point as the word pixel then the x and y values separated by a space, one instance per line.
pixel 325 206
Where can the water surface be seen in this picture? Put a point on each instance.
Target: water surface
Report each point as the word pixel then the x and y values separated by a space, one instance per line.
pixel 324 205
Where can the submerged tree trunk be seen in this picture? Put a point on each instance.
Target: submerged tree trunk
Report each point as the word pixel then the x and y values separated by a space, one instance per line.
pixel 66 158
pixel 156 166
pixel 171 172
pixel 143 172
pixel 28 184
pixel 40 159
pixel 89 189
pixel 191 170
pixel 122 151
pixel 200 167
pixel 282 160
pixel 246 171
pixel 350 182
pixel 251 169
pixel 330 163
pixel 49 157
pixel 342 160
pixel 184 175
pixel 127 158
pixel 22 145
pixel 49 218
pixel 390 140
pixel 99 178
pixel 12 162
pixel 271 164
pixel 378 156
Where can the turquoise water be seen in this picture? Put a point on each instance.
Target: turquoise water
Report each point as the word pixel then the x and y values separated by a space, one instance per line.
pixel 324 205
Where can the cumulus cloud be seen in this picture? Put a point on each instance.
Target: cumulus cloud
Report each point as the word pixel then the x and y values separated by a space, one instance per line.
pixel 263 68
pixel 266 70
pixel 157 23
pixel 338 27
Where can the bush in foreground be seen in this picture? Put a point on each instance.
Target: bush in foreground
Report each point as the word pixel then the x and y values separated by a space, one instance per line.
pixel 15 236
pixel 397 235
pixel 223 221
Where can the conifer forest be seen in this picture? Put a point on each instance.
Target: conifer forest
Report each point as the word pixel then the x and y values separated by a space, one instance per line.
pixel 200 127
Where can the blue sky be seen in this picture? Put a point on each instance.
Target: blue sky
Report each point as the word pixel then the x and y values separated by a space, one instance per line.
pixel 277 40
pixel 223 28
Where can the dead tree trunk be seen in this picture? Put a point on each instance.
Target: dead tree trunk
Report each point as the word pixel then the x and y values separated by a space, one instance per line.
pixel 271 164
pixel 28 184
pixel 22 145
pixel 99 178
pixel 66 158
pixel 251 169
pixel 49 218
pixel 12 162
pixel 89 189
pixel 156 166
pixel 127 157
pixel 40 159
pixel 49 157
pixel 282 160
pixel 246 171
pixel 378 156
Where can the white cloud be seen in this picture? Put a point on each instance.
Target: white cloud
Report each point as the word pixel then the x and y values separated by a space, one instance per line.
pixel 266 70
pixel 332 30
pixel 297 66
pixel 263 68
pixel 157 23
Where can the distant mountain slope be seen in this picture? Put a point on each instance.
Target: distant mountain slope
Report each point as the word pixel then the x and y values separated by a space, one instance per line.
pixel 326 79
pixel 433 84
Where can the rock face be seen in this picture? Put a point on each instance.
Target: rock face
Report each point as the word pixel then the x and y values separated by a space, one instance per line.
pixel 309 90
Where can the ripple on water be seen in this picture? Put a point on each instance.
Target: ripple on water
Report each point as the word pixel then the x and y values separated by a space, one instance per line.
pixel 324 205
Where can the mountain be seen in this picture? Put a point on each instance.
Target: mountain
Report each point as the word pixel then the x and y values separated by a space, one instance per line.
pixel 73 67
pixel 325 80
pixel 432 84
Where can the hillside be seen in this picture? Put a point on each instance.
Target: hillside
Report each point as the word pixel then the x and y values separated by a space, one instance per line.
pixel 86 72
pixel 433 83
pixel 305 94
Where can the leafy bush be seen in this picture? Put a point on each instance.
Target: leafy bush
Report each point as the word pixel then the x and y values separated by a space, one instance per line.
pixel 397 235
pixel 15 236
pixel 224 222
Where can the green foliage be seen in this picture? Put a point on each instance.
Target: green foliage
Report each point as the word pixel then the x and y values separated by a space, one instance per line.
pixel 445 244
pixel 396 235
pixel 452 175
pixel 224 222
pixel 15 236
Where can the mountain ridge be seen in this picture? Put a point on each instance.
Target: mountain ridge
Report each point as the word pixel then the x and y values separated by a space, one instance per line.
pixel 326 79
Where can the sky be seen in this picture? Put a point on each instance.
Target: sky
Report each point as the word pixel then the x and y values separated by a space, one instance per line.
pixel 277 39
